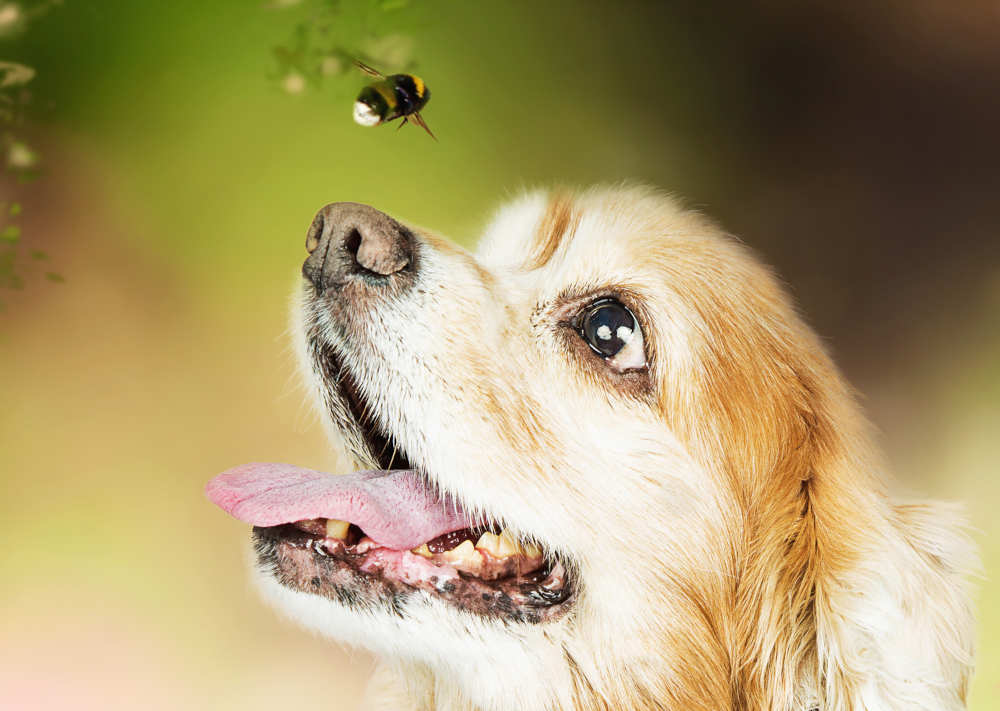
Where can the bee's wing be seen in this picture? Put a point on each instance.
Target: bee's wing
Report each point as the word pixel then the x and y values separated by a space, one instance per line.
pixel 368 70
pixel 419 120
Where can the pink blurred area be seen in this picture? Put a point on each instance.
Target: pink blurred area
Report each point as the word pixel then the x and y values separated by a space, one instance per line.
pixel 80 649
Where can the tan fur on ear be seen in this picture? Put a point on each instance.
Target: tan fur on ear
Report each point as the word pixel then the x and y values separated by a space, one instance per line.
pixel 806 525
pixel 833 576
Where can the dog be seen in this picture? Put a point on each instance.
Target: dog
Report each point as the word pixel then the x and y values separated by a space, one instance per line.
pixel 602 464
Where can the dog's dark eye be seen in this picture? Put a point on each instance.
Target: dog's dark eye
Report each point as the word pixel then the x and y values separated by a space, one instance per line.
pixel 607 326
pixel 612 332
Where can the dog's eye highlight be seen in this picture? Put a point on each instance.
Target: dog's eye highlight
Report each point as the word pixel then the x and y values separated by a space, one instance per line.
pixel 612 332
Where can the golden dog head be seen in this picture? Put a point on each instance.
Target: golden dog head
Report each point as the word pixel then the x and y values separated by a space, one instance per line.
pixel 626 392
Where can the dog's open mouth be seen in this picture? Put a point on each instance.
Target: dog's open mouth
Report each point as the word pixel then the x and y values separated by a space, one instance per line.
pixel 389 532
pixel 320 533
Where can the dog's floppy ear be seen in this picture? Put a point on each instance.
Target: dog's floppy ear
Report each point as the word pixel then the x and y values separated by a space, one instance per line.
pixel 847 601
pixel 842 600
pixel 894 630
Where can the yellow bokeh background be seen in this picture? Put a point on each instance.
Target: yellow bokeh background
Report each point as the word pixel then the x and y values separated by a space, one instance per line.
pixel 853 147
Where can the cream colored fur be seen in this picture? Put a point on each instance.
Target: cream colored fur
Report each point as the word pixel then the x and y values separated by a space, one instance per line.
pixel 735 545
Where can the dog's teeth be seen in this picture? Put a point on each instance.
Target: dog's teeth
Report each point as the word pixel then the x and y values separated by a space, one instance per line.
pixel 423 550
pixel 465 552
pixel 488 542
pixel 336 529
pixel 507 545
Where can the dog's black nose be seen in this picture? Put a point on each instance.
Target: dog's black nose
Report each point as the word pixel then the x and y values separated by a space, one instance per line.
pixel 347 238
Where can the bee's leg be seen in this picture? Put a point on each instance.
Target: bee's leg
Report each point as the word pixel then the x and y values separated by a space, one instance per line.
pixel 401 123
pixel 419 120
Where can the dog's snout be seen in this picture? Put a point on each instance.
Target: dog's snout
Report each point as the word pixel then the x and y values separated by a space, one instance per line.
pixel 348 238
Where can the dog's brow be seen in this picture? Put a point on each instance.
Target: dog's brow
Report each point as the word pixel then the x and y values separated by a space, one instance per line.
pixel 558 220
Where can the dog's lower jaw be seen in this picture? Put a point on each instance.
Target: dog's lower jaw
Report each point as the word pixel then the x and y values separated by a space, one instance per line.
pixel 434 658
pixel 448 659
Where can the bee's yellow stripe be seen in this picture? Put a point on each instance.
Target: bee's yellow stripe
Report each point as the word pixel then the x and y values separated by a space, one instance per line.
pixel 419 83
pixel 387 92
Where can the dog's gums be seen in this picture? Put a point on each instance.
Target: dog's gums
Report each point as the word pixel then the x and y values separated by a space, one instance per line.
pixel 495 577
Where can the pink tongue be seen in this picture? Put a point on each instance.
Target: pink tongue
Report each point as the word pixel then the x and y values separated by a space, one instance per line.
pixel 394 508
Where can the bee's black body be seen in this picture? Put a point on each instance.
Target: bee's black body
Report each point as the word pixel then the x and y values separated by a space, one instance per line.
pixel 411 93
pixel 392 97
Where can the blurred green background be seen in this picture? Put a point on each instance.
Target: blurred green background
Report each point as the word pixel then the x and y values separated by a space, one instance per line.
pixel 854 145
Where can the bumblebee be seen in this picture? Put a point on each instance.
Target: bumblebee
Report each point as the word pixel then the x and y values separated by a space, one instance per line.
pixel 391 97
